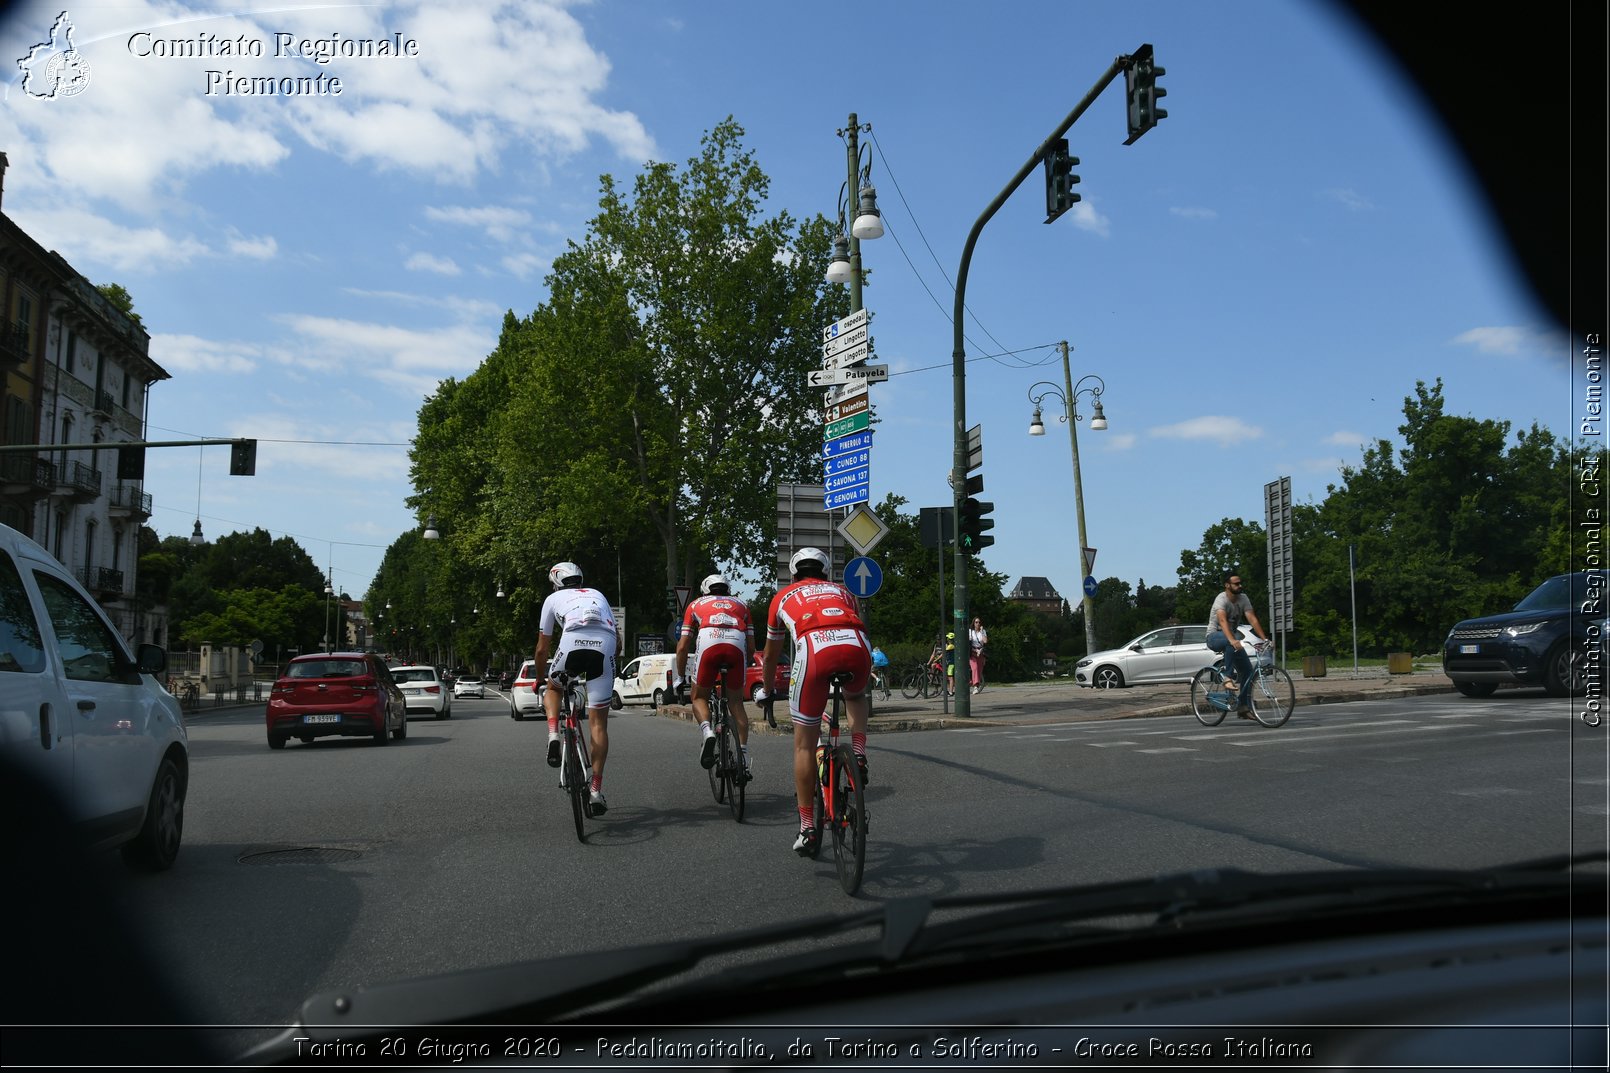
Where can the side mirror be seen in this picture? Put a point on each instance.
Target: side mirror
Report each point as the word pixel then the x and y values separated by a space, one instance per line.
pixel 151 659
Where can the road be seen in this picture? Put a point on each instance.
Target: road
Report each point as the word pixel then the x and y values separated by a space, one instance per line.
pixel 338 863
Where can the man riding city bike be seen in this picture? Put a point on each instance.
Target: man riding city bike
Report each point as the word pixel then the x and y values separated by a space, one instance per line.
pixel 588 625
pixel 1230 609
pixel 828 637
pixel 716 628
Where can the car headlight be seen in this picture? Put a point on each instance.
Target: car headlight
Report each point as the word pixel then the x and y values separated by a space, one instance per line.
pixel 1082 664
pixel 1522 631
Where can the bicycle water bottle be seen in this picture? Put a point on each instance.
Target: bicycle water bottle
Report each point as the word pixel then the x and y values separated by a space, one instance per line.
pixel 821 763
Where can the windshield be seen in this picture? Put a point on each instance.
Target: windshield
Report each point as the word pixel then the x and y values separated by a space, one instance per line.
pixel 627 287
pixel 1560 593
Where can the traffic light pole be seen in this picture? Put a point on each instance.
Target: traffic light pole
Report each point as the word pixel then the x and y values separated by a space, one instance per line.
pixel 958 474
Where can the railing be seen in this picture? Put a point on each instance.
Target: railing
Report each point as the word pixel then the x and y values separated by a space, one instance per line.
pixel 102 579
pixel 126 497
pixel 14 339
pixel 104 403
pixel 21 469
pixel 82 479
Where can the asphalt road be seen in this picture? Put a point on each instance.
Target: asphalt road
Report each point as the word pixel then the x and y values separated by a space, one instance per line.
pixel 340 863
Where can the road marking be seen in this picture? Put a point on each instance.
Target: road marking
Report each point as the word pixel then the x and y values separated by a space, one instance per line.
pixel 1109 744
pixel 1176 749
pixel 1286 739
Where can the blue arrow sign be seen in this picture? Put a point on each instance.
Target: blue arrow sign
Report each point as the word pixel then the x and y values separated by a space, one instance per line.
pixel 844 497
pixel 849 460
pixel 855 441
pixel 847 478
pixel 863 577
pixel 1090 585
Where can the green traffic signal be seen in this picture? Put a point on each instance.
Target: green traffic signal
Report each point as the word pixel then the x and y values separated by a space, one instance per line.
pixel 975 522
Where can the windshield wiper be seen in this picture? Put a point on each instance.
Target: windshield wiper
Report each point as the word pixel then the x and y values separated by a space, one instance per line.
pixel 549 990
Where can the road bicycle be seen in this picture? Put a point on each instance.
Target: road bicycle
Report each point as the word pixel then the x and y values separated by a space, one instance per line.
pixel 840 794
pixel 925 681
pixel 575 769
pixel 728 776
pixel 1273 695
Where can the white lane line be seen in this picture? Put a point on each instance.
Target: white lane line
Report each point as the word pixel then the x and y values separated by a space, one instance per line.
pixel 1109 744
pixel 1176 749
pixel 1284 739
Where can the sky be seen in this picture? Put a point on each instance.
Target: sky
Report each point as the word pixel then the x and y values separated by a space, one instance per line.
pixel 1257 283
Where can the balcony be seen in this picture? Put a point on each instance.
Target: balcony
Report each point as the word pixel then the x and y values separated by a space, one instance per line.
pixel 128 500
pixel 103 405
pixel 24 476
pixel 78 481
pixel 105 583
pixel 14 348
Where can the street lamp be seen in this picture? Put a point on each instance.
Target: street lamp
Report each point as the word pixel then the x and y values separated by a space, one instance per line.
pixel 329 590
pixel 845 266
pixel 1069 395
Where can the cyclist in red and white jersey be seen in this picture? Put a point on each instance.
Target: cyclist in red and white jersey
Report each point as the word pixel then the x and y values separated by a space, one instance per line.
pixel 829 637
pixel 588 626
pixel 716 628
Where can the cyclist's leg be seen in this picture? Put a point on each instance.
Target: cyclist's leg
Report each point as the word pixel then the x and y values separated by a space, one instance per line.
pixel 1238 666
pixel 598 718
pixel 807 700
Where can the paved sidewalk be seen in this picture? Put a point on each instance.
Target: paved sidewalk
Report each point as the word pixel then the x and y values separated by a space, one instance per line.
pixel 1061 701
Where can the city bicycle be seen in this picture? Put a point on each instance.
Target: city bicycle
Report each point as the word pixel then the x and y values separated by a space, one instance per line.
pixel 575 770
pixel 1273 694
pixel 840 794
pixel 727 775
pixel 925 681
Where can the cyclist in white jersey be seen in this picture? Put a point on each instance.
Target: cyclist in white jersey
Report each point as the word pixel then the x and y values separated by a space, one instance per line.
pixel 588 626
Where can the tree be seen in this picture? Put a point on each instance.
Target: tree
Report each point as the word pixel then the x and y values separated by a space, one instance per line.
pixel 120 298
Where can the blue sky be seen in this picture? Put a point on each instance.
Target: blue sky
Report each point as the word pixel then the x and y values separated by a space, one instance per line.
pixel 1259 281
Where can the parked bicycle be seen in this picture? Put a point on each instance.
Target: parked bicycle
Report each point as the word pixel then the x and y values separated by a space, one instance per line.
pixel 840 794
pixel 728 777
pixel 1273 695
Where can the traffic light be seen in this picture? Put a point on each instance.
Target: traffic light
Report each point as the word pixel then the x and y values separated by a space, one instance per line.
pixel 975 518
pixel 243 458
pixel 1059 181
pixel 131 463
pixel 1142 91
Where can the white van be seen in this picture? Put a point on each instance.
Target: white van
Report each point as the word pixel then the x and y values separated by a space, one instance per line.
pixel 646 678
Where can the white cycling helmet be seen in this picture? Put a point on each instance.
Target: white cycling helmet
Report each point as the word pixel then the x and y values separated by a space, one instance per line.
pixel 564 574
pixel 810 555
pixel 714 581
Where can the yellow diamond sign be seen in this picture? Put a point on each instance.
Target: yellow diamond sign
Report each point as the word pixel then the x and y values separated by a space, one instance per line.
pixel 863 529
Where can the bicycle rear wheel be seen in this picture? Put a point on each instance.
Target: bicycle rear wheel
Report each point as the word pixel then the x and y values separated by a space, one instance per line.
pixel 1207 680
pixel 575 783
pixel 1273 697
pixel 916 682
pixel 730 761
pixel 849 820
pixel 718 785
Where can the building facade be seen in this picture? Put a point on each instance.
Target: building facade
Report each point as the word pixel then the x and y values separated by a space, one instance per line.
pixel 1037 594
pixel 77 370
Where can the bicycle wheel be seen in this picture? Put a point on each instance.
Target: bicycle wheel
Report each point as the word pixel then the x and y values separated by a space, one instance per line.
pixel 849 820
pixel 1207 680
pixel 1273 696
pixel 730 762
pixel 718 785
pixel 575 783
pixel 821 821
pixel 915 685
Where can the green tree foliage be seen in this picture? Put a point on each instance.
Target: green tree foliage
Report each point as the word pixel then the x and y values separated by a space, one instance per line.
pixel 654 401
pixel 121 299
pixel 1463 519
pixel 251 582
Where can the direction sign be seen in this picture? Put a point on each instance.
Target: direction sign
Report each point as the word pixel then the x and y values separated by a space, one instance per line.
pixel 847 460
pixel 845 425
pixel 845 341
pixel 1090 585
pixel 859 475
pixel 844 497
pixel 869 374
pixel 975 447
pixel 856 441
pixel 845 324
pixel 846 407
pixel 853 356
pixel 863 577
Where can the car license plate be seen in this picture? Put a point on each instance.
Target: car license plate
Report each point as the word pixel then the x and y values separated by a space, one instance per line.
pixel 1470 650
pixel 328 717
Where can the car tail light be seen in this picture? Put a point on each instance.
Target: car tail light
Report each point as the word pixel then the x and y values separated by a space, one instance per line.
pixel 433 689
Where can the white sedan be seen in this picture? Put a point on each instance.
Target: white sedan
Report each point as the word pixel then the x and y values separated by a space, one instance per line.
pixel 469 687
pixel 1166 654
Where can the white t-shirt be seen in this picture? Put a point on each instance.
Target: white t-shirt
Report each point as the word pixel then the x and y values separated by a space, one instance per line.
pixel 1235 611
pixel 578 609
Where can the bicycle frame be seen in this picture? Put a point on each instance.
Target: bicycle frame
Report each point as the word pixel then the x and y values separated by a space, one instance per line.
pixel 575 779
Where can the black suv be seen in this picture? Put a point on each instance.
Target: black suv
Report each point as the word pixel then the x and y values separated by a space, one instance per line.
pixel 1555 638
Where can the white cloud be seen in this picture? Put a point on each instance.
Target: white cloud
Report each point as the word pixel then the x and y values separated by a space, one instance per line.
pixel 424 262
pixel 1223 430
pixel 1193 212
pixel 1086 218
pixel 85 238
pixel 1119 441
pixel 499 224
pixel 1350 199
pixel 524 265
pixel 1508 341
pixel 260 249
pixel 1344 438
pixel 192 354
pixel 386 351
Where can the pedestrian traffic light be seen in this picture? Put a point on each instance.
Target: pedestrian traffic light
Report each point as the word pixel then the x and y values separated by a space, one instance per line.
pixel 1141 90
pixel 243 458
pixel 975 520
pixel 1059 181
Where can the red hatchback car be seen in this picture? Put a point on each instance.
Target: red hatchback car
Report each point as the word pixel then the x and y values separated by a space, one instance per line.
pixel 346 693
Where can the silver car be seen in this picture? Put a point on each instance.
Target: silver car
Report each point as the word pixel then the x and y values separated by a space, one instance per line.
pixel 1166 654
